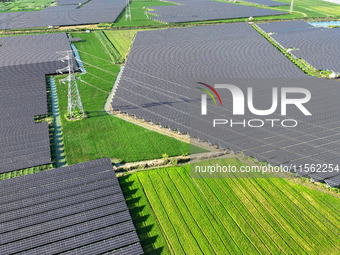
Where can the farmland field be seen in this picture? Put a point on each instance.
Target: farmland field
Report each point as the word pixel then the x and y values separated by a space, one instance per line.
pixel 110 50
pixel 24 5
pixel 121 39
pixel 314 8
pixel 102 135
pixel 139 18
pixel 176 214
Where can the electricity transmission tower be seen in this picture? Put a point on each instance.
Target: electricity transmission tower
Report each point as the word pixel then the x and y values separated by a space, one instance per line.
pixel 74 101
pixel 128 10
pixel 291 6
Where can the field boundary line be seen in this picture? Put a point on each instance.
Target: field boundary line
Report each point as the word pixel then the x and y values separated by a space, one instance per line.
pixel 295 206
pixel 255 219
pixel 226 212
pixel 188 187
pixel 267 207
pixel 245 220
pixel 139 205
pixel 173 200
pixel 158 222
pixel 246 195
pixel 317 199
pixel 167 215
pixel 321 231
pixel 180 195
pixel 288 211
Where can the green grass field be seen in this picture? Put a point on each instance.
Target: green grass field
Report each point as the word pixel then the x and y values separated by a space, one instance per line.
pixel 24 5
pixel 139 19
pixel 314 8
pixel 176 214
pixel 103 135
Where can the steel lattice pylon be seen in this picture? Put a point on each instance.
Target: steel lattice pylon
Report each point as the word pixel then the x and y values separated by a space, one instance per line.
pixel 128 10
pixel 291 6
pixel 74 101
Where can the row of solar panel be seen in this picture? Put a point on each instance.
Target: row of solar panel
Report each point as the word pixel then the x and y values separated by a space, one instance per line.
pixel 227 54
pixel 260 2
pixel 95 11
pixel 318 46
pixel 31 181
pixel 25 62
pixel 79 209
pixel 118 209
pixel 208 10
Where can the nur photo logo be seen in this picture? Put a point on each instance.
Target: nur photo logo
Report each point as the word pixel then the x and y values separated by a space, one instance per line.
pixel 280 97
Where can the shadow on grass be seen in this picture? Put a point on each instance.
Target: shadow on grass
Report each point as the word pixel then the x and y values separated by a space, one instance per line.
pixel 139 218
pixel 94 114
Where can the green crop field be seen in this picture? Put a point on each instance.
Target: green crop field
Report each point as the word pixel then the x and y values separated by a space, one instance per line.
pixel 139 19
pixel 314 8
pixel 102 135
pixel 177 214
pixel 110 50
pixel 24 5
pixel 121 39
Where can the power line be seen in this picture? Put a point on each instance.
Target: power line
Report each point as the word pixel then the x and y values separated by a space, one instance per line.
pixel 98 67
pixel 94 86
pixel 95 56
pixel 128 11
pixel 99 78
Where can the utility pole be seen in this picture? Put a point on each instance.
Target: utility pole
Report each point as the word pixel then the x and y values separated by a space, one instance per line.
pixel 128 10
pixel 74 101
pixel 291 6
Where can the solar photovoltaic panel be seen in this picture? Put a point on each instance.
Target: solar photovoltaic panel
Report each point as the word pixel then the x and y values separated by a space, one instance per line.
pixel 128 250
pixel 318 46
pixel 25 62
pixel 169 74
pixel 333 181
pixel 207 10
pixel 266 2
pixel 62 14
pixel 287 26
pixel 89 217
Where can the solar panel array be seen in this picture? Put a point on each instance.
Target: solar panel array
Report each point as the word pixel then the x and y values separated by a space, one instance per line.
pixel 92 12
pixel 206 10
pixel 266 2
pixel 320 47
pixel 24 63
pixel 160 80
pixel 78 209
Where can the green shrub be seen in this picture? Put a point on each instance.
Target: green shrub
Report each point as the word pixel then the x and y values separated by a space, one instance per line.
pixel 165 158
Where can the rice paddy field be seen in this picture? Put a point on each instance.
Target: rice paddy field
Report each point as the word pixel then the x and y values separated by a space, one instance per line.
pixel 177 214
pixel 102 135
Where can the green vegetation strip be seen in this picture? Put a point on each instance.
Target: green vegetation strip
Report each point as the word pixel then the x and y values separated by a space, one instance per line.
pixel 102 135
pixel 230 215
pixel 109 48
pixel 23 5
pixel 121 39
